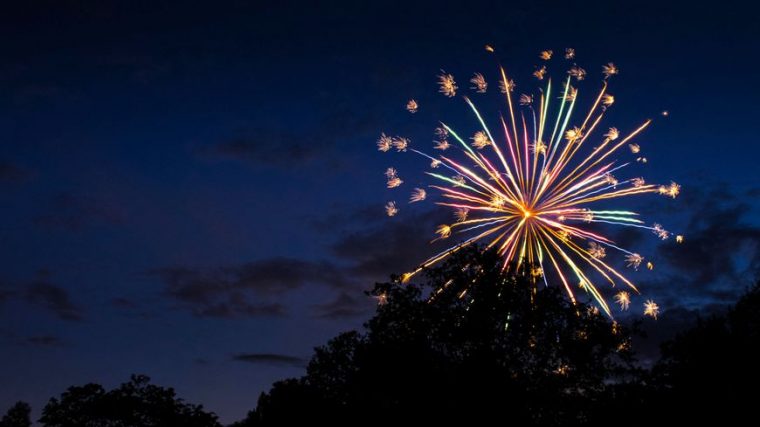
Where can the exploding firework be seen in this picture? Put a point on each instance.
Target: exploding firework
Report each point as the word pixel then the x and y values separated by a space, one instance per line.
pixel 531 191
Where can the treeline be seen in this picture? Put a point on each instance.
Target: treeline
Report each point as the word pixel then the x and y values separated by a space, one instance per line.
pixel 474 345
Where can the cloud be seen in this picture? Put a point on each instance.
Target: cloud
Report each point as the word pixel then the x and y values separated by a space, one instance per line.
pixel 5 295
pixel 720 255
pixel 72 213
pixel 300 144
pixel 372 252
pixel 235 291
pixel 123 303
pixel 394 246
pixel 45 341
pixel 268 146
pixel 344 306
pixel 54 299
pixel 271 359
pixel 11 173
pixel 344 218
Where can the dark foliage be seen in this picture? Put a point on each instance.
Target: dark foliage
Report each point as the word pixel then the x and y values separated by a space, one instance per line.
pixel 17 416
pixel 474 344
pixel 136 403
pixel 709 373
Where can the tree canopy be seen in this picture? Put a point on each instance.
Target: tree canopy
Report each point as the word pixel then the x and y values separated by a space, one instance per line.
pixel 474 342
pixel 132 404
pixel 17 416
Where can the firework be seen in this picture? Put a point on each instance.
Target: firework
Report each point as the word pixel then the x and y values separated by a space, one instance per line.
pixel 624 299
pixel 609 70
pixel 479 83
pixel 418 195
pixel 384 143
pixel 506 86
pixel 442 145
pixel 651 309
pixel 480 140
pixel 596 250
pixel 577 72
pixel 391 209
pixel 447 85
pixel 526 99
pixel 400 144
pixel 412 106
pixel 531 192
pixel 540 73
pixel 394 182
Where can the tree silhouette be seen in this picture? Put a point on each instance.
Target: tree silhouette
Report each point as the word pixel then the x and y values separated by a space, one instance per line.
pixel 473 343
pixel 134 403
pixel 709 373
pixel 17 416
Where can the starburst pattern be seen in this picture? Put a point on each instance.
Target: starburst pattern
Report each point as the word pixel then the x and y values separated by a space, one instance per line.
pixel 393 180
pixel 634 260
pixel 596 250
pixel 384 143
pixel 442 145
pixel 412 106
pixel 444 231
pixel 651 309
pixel 461 214
pixel 447 85
pixel 577 72
pixel 609 70
pixel 533 194
pixel 540 73
pixel 391 209
pixel 571 94
pixel 506 86
pixel 400 144
pixel 418 195
pixel 638 182
pixel 479 83
pixel 480 140
pixel 623 298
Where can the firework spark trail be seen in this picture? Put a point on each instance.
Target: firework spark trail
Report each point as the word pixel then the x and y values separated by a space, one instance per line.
pixel 531 200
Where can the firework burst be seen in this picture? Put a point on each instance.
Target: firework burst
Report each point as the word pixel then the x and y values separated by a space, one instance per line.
pixel 527 189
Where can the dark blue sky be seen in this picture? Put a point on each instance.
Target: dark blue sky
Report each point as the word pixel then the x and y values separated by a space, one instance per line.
pixel 192 191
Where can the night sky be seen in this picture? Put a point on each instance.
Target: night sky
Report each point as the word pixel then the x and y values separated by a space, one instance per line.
pixel 193 191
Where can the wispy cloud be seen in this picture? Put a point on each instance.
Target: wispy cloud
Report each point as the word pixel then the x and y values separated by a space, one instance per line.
pixel 345 305
pixel 301 144
pixel 55 299
pixel 246 289
pixel 71 212
pixel 271 359
pixel 45 341
pixel 10 172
